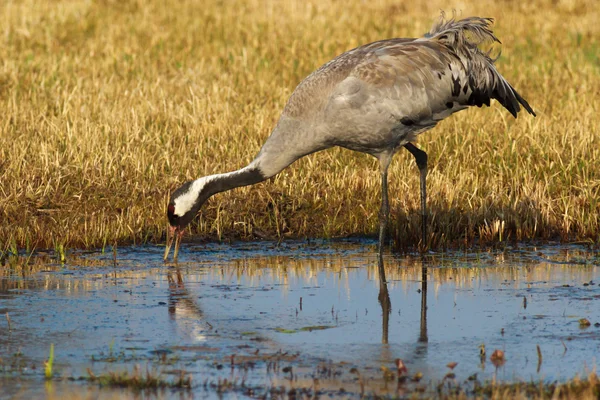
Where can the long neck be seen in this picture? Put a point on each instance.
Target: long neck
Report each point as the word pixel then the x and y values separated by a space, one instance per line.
pixel 289 141
pixel 188 199
pixel 243 177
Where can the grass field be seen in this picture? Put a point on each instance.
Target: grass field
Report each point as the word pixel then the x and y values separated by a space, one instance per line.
pixel 109 105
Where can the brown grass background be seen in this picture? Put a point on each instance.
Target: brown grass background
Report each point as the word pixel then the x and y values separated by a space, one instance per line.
pixel 108 105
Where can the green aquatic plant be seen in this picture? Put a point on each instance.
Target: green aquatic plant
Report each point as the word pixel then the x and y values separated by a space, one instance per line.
pixel 59 251
pixel 48 373
pixel 111 347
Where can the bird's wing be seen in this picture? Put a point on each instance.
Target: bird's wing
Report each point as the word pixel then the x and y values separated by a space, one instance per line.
pixel 424 80
pixel 408 81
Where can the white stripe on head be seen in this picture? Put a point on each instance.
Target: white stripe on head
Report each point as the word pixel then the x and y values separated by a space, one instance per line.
pixel 184 202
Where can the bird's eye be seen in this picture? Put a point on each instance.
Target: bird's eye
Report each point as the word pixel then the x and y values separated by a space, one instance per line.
pixel 171 209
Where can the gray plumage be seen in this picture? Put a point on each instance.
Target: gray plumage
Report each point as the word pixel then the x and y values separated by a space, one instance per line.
pixel 374 99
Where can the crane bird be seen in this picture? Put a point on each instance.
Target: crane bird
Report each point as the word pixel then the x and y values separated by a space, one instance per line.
pixel 375 99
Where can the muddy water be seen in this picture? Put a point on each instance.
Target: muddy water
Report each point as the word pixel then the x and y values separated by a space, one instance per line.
pixel 248 312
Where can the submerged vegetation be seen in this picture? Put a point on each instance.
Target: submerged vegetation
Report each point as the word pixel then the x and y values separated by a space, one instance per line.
pixel 137 380
pixel 587 388
pixel 110 105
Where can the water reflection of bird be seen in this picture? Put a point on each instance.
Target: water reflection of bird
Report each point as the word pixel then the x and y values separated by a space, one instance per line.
pixel 386 304
pixel 183 308
pixel 374 99
pixel 423 327
pixel 180 300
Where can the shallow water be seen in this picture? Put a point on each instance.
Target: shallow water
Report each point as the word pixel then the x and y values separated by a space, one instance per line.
pixel 244 312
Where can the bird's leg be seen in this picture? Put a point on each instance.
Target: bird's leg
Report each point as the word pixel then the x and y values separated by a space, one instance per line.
pixel 384 211
pixel 421 159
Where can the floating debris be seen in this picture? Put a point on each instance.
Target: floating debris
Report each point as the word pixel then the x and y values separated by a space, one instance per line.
pixel 401 367
pixel 304 329
pixel 497 358
pixel 584 323
pixel 418 376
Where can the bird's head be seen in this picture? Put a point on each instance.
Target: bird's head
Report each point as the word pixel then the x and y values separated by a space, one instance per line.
pixel 183 207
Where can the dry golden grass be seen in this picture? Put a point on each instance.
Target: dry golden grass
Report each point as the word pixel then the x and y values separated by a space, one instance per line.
pixel 109 105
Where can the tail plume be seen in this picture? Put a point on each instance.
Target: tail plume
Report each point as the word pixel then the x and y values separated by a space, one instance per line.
pixel 465 38
pixel 466 33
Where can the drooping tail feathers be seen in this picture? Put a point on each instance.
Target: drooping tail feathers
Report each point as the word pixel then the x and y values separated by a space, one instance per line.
pixel 468 32
pixel 465 37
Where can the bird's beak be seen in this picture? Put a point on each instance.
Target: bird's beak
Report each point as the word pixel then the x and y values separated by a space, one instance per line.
pixel 173 233
pixel 170 236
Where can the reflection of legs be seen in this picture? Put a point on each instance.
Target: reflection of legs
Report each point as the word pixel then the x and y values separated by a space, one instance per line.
pixel 384 213
pixel 423 330
pixel 421 159
pixel 180 299
pixel 386 304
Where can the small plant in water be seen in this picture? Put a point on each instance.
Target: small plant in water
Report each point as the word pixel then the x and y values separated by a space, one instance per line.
pixel 59 250
pixel 111 347
pixel 49 363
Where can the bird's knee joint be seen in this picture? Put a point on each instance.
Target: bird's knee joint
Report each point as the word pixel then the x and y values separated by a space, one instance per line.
pixel 384 216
